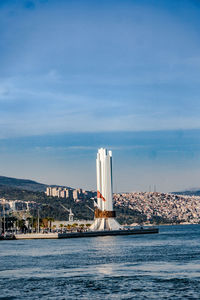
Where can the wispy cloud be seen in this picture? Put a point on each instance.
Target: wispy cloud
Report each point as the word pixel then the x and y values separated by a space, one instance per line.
pixel 93 67
pixel 75 75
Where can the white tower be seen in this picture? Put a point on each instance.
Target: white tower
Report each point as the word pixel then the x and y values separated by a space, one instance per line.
pixel 104 214
pixel 71 216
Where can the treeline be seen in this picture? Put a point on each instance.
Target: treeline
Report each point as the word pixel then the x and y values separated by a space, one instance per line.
pixel 25 184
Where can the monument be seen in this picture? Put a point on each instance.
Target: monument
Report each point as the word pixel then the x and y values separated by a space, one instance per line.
pixel 105 216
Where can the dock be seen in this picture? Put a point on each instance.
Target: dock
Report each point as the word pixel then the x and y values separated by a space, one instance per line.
pixel 82 234
pixel 108 233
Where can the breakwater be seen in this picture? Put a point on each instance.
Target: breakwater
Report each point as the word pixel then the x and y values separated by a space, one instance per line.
pixel 32 236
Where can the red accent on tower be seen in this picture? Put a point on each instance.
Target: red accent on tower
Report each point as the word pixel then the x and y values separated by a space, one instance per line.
pixel 99 195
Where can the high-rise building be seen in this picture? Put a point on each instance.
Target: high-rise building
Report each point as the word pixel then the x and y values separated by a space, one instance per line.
pixel 75 194
pixel 59 192
pixel 69 193
pixel 63 194
pixel 54 191
pixel 48 191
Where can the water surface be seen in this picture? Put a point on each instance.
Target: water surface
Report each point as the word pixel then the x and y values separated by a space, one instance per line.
pixel 160 266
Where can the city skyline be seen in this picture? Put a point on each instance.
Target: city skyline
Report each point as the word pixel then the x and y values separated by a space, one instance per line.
pixel 77 76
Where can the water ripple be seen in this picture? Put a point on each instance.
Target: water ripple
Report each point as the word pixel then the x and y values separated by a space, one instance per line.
pixel 164 266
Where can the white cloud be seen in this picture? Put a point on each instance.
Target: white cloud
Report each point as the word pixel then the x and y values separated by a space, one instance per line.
pixel 68 68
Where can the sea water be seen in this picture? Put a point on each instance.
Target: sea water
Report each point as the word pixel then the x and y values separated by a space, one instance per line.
pixel 157 266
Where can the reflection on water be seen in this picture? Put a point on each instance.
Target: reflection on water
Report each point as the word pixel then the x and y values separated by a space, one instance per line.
pixel 123 267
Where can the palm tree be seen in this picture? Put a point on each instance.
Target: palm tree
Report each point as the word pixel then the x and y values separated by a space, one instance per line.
pixel 21 224
pixel 34 223
pixel 74 225
pixel 69 226
pixel 50 222
pixel 61 226
pixel 54 227
pixel 29 219
pixel 42 226
pixel 88 225
pixel 45 223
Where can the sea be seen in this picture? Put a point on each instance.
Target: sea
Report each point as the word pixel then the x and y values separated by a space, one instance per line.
pixel 157 266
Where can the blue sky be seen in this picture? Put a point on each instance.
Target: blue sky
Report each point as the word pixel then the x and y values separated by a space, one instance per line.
pixel 78 75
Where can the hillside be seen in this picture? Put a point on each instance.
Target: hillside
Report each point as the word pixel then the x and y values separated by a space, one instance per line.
pixel 130 207
pixel 192 192
pixel 24 184
pixel 162 207
pixel 50 206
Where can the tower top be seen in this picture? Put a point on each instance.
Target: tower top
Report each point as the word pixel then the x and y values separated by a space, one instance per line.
pixel 104 152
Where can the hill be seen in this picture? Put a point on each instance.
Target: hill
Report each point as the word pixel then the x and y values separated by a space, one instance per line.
pixel 161 207
pixel 192 192
pixel 25 184
pixel 130 207
pixel 50 206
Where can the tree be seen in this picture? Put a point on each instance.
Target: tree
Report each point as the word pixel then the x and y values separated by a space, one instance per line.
pixel 45 222
pixel 54 227
pixel 50 222
pixel 21 225
pixel 69 226
pixel 61 226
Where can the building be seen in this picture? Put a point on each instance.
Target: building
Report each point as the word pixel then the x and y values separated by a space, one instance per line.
pixel 48 191
pixel 69 193
pixel 60 192
pixel 76 194
pixel 54 192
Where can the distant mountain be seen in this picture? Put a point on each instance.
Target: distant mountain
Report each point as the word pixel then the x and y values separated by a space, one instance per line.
pixel 24 184
pixel 192 192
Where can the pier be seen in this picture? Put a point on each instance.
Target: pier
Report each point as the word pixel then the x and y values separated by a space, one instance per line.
pixel 81 234
pixel 108 233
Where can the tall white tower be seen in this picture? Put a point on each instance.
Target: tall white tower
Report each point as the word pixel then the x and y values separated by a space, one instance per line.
pixel 104 214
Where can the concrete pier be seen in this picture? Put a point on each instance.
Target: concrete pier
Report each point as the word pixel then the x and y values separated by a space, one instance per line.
pixel 108 233
pixel 32 236
pixel 68 235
